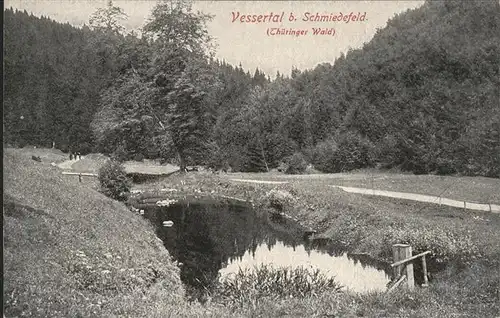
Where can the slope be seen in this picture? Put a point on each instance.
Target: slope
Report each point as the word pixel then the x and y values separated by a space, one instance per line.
pixel 71 252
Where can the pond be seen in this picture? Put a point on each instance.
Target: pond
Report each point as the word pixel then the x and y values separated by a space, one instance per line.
pixel 212 240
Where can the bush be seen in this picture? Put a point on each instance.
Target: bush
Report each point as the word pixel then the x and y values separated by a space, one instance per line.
pixel 277 201
pixel 296 164
pixel 356 151
pixel 324 156
pixel 282 167
pixel 114 181
pixel 352 151
pixel 139 157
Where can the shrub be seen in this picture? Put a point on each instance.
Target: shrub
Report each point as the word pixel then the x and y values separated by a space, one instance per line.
pixel 282 167
pixel 352 151
pixel 139 157
pixel 114 181
pixel 296 164
pixel 324 156
pixel 356 151
pixel 277 201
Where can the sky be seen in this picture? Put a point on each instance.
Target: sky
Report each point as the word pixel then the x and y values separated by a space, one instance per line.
pixel 255 44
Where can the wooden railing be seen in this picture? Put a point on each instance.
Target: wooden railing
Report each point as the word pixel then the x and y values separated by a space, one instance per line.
pixel 403 266
pixel 80 174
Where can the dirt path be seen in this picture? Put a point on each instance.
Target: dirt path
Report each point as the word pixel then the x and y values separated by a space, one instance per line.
pixel 259 181
pixel 67 165
pixel 402 195
pixel 424 198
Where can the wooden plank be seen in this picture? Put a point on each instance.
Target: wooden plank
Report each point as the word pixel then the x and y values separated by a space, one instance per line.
pixel 396 284
pixel 233 198
pixel 80 174
pixel 400 262
pixel 259 181
pixel 424 270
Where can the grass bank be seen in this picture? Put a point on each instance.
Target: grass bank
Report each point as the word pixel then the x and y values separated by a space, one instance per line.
pixel 71 252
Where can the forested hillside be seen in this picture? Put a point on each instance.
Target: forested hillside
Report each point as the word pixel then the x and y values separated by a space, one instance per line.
pixel 424 92
pixel 53 76
pixel 422 95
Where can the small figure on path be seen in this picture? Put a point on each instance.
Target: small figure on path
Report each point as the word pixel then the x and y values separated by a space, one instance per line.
pixel 70 156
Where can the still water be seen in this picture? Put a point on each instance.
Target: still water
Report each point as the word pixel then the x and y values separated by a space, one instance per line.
pixel 213 240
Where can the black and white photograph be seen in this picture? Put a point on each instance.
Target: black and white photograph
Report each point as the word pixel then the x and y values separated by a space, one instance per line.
pixel 183 158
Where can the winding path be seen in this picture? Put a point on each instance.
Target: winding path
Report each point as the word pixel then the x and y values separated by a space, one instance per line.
pixel 259 181
pixel 424 198
pixel 494 208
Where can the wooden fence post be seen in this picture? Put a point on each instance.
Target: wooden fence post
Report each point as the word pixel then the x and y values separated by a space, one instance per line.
pixel 80 177
pixel 401 252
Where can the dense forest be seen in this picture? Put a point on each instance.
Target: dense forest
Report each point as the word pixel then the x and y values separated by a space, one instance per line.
pixel 421 96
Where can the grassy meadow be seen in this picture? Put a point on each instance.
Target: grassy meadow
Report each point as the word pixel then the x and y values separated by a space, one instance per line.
pixel 71 252
pixel 470 189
